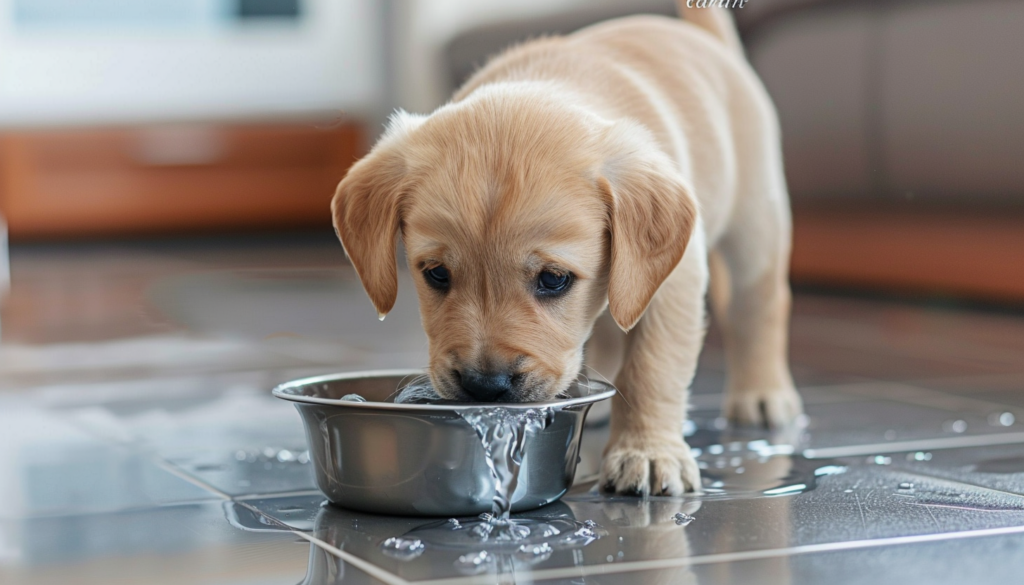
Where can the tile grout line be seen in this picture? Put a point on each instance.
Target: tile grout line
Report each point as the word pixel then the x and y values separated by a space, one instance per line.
pixel 360 563
pixel 363 565
pixel 291 494
pixel 184 475
pixel 616 568
pixel 990 440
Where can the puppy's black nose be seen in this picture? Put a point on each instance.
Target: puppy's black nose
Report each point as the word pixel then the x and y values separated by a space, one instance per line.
pixel 484 386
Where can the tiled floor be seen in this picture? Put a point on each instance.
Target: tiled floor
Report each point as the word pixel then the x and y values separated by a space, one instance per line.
pixel 140 443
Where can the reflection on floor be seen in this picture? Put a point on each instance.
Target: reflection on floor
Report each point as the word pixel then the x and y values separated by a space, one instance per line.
pixel 141 445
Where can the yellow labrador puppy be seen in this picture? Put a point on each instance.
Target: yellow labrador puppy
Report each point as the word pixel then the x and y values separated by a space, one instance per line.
pixel 574 174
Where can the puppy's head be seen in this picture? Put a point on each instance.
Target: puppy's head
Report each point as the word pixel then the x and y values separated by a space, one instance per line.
pixel 522 218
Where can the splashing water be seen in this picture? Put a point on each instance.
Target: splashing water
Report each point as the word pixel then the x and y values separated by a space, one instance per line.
pixel 504 433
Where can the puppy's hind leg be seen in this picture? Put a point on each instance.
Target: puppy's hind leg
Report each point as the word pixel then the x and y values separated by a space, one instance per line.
pixel 755 318
pixel 646 453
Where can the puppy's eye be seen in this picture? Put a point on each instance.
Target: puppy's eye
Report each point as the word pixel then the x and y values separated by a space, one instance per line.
pixel 437 277
pixel 553 284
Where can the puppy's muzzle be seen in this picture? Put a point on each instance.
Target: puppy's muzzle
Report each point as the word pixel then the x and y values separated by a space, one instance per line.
pixel 486 386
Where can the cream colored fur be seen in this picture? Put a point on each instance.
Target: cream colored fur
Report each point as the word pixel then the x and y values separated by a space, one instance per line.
pixel 624 154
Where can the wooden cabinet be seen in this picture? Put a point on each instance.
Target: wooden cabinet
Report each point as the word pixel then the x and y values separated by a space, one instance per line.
pixel 954 252
pixel 172 178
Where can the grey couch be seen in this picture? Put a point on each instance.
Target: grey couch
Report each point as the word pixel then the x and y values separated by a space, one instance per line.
pixel 879 99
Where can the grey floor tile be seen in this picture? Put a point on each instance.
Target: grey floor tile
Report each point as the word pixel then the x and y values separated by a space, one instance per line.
pixel 986 560
pixel 322 305
pixel 994 467
pixel 228 434
pixel 51 467
pixel 852 502
pixel 873 418
pixel 192 543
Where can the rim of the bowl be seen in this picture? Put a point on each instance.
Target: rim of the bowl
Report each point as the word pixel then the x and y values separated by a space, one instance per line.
pixel 281 391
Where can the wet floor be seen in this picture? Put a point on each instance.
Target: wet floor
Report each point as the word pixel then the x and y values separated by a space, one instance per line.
pixel 140 443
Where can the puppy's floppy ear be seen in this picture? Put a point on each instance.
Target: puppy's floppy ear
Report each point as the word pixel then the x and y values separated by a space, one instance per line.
pixel 367 212
pixel 652 214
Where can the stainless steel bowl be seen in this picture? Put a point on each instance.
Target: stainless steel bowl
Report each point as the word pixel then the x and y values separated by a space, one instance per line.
pixel 424 459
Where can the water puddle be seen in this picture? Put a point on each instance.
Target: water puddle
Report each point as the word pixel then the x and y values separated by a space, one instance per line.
pixel 758 468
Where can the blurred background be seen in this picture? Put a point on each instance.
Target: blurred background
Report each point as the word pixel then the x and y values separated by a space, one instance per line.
pixel 167 257
pixel 143 139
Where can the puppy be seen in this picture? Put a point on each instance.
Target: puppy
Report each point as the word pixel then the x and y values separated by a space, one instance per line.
pixel 582 173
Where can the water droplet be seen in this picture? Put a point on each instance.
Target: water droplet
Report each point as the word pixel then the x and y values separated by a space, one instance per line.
pixel 905 488
pixel 847 491
pixel 609 558
pixel 720 423
pixel 352 398
pixel 716 449
pixel 587 530
pixel 620 554
pixel 535 550
pixel 285 456
pixel 683 519
pixel 380 316
pixel 880 460
pixel 473 562
pixel 955 426
pixel 1002 419
pixel 454 524
pixel 919 456
pixel 403 549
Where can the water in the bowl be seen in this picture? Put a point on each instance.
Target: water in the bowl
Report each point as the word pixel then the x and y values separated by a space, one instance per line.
pixel 418 393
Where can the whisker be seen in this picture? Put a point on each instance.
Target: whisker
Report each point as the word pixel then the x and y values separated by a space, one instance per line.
pixel 601 377
pixel 402 384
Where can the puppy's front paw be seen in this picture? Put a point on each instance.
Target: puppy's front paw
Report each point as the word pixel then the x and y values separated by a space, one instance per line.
pixel 773 408
pixel 638 465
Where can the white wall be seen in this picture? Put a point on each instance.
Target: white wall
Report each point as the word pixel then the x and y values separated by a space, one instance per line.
pixel 332 62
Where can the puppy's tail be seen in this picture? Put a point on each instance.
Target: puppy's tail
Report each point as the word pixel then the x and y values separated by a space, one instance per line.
pixel 714 17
